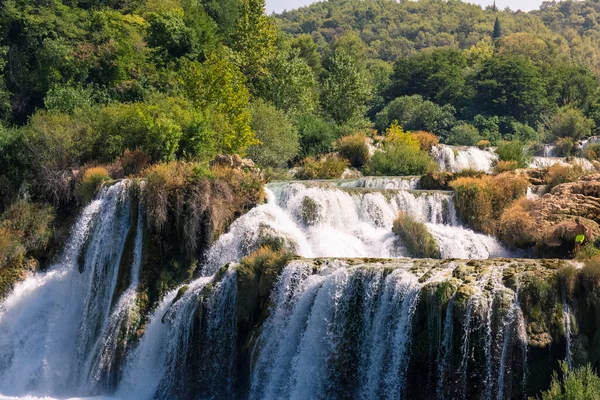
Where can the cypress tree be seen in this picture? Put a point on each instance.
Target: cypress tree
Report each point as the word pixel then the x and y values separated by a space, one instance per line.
pixel 497 30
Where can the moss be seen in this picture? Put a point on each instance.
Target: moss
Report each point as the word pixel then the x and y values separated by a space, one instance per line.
pixel 310 211
pixel 415 236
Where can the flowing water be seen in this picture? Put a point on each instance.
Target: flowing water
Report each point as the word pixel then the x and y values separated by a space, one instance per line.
pixel 334 329
pixel 460 158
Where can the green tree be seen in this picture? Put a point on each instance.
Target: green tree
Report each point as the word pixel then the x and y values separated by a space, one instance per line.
pixel 316 134
pixel 464 134
pixel 291 84
pixel 510 86
pixel 581 384
pixel 253 40
pixel 570 122
pixel 346 91
pixel 278 137
pixel 497 34
pixel 218 87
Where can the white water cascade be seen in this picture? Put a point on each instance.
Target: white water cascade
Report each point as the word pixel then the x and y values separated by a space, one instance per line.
pixel 322 220
pixel 57 329
pixel 460 158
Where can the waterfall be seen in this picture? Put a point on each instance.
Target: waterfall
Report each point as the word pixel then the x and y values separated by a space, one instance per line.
pixel 567 323
pixel 320 219
pixel 545 162
pixel 188 345
pixel 383 182
pixel 52 322
pixel 457 159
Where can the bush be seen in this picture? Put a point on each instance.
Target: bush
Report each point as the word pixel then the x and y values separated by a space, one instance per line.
pixel 559 174
pixel 316 135
pixel 93 179
pixel 329 167
pixel 134 162
pixel 581 384
pixel 483 144
pixel 505 166
pixel 481 201
pixel 463 135
pixel 401 160
pixel 571 123
pixel 278 137
pixel 415 236
pixel 394 135
pixel 426 140
pixel 25 229
pixel 516 226
pixel 592 151
pixel 565 147
pixel 515 151
pixel 354 149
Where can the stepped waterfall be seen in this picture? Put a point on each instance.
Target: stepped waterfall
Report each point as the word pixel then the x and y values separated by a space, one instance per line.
pixel 349 318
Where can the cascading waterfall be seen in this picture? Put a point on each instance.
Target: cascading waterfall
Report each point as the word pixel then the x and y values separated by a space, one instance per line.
pixel 50 325
pixel 567 324
pixel 189 344
pixel 383 182
pixel 457 159
pixel 545 162
pixel 322 220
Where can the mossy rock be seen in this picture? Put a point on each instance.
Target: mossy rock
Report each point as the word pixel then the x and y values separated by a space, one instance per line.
pixel 419 242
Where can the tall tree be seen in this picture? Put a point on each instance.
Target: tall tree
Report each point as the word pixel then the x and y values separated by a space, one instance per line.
pixel 254 40
pixel 497 34
pixel 346 90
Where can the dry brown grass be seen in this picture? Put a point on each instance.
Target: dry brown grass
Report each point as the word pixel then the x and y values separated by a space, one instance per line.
pixel 481 201
pixel 517 227
pixel 354 148
pixel 505 166
pixel 559 174
pixel 426 140
pixel 483 144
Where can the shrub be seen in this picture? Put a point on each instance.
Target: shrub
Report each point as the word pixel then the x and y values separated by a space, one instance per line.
pixel 426 140
pixel 565 147
pixel 581 383
pixel 25 229
pixel 559 174
pixel 329 167
pixel 589 277
pixel 517 227
pixel 587 252
pixel 134 162
pixel 463 135
pixel 505 166
pixel 316 135
pixel 483 144
pixel 278 137
pixel 414 234
pixel 93 179
pixel 571 123
pixel 396 136
pixel 481 201
pixel 354 149
pixel 592 151
pixel 515 151
pixel 401 160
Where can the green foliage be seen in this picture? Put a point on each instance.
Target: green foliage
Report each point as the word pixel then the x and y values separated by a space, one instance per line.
pixel 565 147
pixel 570 123
pixel 415 114
pixel 346 91
pixel 581 384
pixel 329 167
pixel 354 148
pixel 514 151
pixel 88 187
pixel 316 134
pixel 415 236
pixel 464 135
pixel 401 160
pixel 592 151
pixel 278 137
